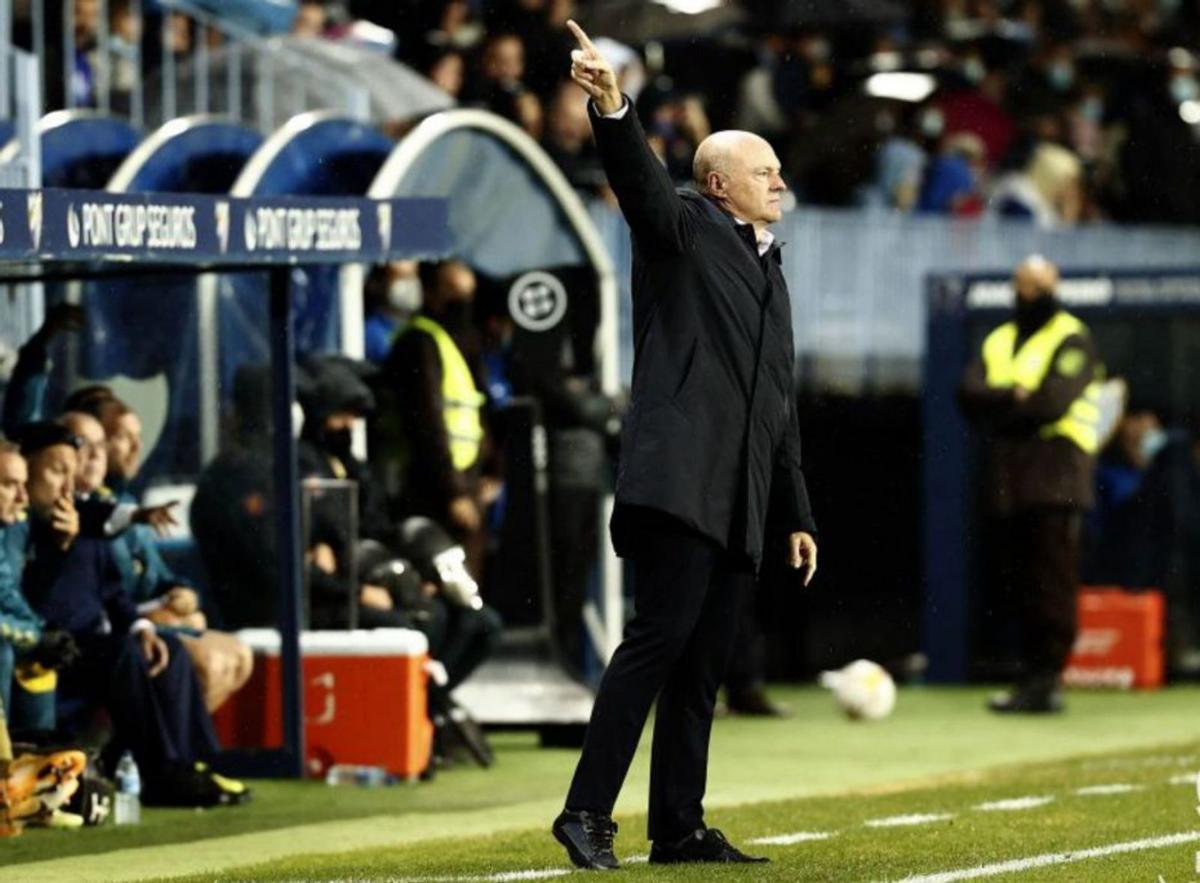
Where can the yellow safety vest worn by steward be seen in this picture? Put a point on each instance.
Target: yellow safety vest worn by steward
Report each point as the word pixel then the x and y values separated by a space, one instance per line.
pixel 461 398
pixel 1028 366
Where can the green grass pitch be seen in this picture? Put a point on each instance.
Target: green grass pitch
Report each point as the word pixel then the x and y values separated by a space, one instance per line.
pixel 940 791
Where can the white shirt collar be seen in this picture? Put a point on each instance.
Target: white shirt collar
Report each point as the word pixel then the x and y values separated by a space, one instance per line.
pixel 764 239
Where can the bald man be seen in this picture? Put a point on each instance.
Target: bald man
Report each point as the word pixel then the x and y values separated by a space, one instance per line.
pixel 711 436
pixel 1035 390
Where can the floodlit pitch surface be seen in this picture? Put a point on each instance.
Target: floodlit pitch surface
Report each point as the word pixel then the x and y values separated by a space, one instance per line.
pixel 939 792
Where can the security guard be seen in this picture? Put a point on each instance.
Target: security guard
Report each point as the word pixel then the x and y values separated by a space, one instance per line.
pixel 430 383
pixel 1036 390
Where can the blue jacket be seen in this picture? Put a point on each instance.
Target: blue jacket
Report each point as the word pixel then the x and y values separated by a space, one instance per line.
pixel 19 625
pixel 144 573
pixel 78 590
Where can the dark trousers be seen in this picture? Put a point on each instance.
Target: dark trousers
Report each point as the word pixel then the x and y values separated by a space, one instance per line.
pixel 1042 572
pixel 162 720
pixel 687 594
pixel 748 665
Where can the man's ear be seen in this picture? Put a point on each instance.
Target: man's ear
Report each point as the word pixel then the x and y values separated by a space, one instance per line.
pixel 715 183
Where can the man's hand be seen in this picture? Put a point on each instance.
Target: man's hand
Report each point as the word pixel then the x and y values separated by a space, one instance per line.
pixel 464 513
pixel 155 651
pixel 321 557
pixel 593 74
pixel 802 552
pixel 56 650
pixel 182 601
pixel 65 521
pixel 161 518
pixel 489 490
pixel 375 596
pixel 166 616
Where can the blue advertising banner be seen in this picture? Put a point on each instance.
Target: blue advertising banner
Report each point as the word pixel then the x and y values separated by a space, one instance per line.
pixel 20 213
pixel 200 229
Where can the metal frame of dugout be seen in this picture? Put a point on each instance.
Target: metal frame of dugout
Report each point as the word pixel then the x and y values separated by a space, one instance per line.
pixel 54 235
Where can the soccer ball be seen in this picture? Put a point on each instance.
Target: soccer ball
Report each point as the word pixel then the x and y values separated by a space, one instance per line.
pixel 863 690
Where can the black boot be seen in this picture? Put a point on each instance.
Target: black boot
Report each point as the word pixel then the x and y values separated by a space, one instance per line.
pixel 1036 695
pixel 588 838
pixel 704 845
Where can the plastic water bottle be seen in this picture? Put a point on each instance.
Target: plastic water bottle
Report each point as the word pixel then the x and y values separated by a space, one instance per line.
pixel 128 810
pixel 358 774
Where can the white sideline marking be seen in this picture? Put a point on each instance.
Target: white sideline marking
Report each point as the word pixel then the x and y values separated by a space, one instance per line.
pixel 1053 858
pixel 789 839
pixel 1115 788
pixel 1014 803
pixel 1183 779
pixel 914 819
pixel 502 877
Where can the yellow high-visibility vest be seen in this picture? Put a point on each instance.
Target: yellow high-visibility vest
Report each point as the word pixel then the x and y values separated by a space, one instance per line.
pixel 461 398
pixel 1028 366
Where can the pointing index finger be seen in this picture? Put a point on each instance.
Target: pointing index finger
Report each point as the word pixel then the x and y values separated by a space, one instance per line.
pixel 582 38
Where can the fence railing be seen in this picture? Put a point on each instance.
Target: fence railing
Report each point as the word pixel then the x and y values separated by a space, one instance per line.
pixel 21 108
pixel 189 60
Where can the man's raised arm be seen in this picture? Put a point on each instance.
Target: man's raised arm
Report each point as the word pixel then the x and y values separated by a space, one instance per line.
pixel 644 189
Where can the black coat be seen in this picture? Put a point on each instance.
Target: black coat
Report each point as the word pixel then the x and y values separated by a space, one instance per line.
pixel 711 434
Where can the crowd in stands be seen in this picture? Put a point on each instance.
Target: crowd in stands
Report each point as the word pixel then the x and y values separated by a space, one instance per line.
pixel 1059 112
pixel 1055 111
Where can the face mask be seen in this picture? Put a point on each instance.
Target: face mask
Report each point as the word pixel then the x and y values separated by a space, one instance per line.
pixel 1184 88
pixel 1092 110
pixel 1061 76
pixel 456 316
pixel 1033 314
pixel 337 442
pixel 1153 441
pixel 405 294
pixel 932 123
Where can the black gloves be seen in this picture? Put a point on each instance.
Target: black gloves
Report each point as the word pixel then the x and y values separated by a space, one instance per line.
pixel 56 650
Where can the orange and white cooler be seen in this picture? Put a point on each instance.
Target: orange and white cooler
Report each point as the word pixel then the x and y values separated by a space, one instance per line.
pixel 364 699
pixel 1119 642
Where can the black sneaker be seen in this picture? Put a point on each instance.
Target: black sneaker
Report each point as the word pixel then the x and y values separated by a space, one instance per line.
pixel 588 838
pixel 194 784
pixel 704 845
pixel 459 737
pixel 753 702
pixel 1029 698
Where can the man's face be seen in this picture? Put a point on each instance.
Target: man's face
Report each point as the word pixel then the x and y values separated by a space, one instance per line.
pixel 447 74
pixel 458 280
pixel 14 499
pixel 1034 279
pixel 124 445
pixel 569 125
pixel 504 61
pixel 753 186
pixel 93 453
pixel 51 477
pixel 340 421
